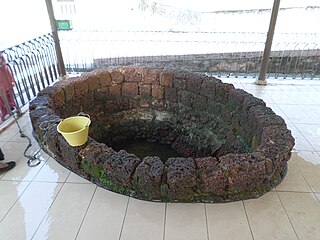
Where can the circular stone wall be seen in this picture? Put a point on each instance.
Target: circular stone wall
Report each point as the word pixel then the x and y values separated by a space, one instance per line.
pixel 232 146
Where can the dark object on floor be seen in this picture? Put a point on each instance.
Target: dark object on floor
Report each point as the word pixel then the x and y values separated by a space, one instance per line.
pixel 10 166
pixel 1 155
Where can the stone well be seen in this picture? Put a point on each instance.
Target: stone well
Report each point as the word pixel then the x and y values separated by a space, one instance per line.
pixel 232 146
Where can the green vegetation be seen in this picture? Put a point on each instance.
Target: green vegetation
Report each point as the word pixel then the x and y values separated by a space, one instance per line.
pixel 98 173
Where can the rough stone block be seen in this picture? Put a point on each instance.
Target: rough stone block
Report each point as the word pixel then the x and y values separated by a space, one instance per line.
pixel 244 172
pixel 279 155
pixel 115 90
pixel 181 178
pixel 236 98
pixel 194 83
pixel 151 76
pixel 67 87
pixel 111 106
pixel 166 78
pixel 208 87
pixel 104 77
pixel 93 82
pixel 39 112
pixel 69 92
pixel 101 94
pixel 148 178
pixel 130 89
pixel 43 123
pixel 116 76
pixel 157 92
pixel 261 117
pixel 222 92
pixel 171 94
pixel 70 155
pixel 144 103
pixel 41 101
pixel 186 98
pixel 81 86
pixel 87 101
pixel 200 103
pixel 52 140
pixel 133 75
pixel 278 134
pixel 120 167
pixel 144 90
pixel 212 179
pixel 59 98
pixel 250 101
pixel 96 153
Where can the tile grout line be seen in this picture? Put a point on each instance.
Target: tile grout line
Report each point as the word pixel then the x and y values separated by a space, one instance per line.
pixel 303 176
pixel 206 215
pixel 287 191
pixel 85 214
pixel 62 185
pixel 285 210
pixel 313 149
pixel 245 211
pixel 165 220
pixel 14 203
pixel 47 210
pixel 124 218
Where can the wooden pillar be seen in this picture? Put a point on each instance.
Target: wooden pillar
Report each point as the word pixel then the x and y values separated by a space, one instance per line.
pixel 267 49
pixel 61 67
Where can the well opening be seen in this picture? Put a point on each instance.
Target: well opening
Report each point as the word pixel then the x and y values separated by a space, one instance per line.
pixel 226 144
pixel 149 132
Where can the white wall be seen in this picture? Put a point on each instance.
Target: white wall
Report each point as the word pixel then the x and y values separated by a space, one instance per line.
pixel 22 20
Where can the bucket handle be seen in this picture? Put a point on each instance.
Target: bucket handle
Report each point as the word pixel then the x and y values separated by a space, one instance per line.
pixel 84 115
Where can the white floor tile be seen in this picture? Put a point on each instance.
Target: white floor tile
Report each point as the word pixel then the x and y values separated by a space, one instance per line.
pixel 313 111
pixel 14 150
pixel 259 93
pixel 52 172
pixel 26 215
pixel 314 95
pixel 268 219
pixel 105 216
pixel 144 220
pixel 279 97
pixel 64 218
pixel 299 97
pixel 227 214
pixel 301 143
pixel 27 131
pixel 293 181
pixel 74 178
pixel 303 210
pixel 10 191
pixel 296 114
pixel 312 133
pixel 309 165
pixel 279 112
pixel 6 133
pixel 185 222
pixel 22 172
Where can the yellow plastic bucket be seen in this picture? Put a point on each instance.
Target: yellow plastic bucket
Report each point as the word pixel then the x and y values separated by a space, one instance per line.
pixel 75 130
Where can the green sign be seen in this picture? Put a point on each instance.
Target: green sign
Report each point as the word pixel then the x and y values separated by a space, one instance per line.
pixel 64 25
